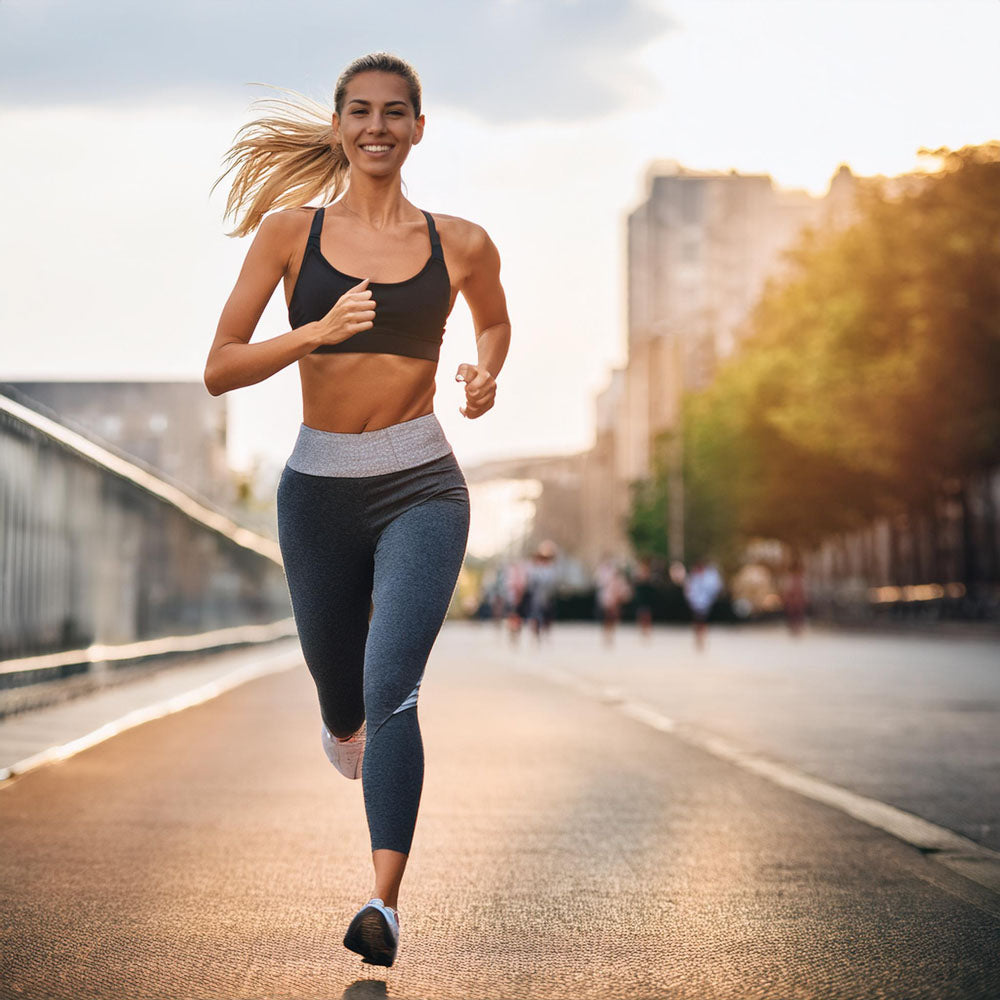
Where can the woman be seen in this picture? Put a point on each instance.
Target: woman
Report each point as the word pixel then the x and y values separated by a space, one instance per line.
pixel 373 509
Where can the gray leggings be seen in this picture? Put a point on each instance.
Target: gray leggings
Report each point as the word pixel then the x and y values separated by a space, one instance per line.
pixel 377 518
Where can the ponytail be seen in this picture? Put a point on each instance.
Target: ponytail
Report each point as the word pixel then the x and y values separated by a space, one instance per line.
pixel 283 159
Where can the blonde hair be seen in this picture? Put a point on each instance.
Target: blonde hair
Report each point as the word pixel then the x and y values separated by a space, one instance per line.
pixel 287 157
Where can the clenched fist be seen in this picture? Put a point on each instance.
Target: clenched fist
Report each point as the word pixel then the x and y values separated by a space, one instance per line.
pixel 353 312
pixel 480 390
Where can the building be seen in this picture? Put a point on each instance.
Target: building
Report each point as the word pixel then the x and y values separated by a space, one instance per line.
pixel 604 503
pixel 701 247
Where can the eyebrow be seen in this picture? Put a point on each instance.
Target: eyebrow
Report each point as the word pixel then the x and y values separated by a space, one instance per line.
pixel 361 100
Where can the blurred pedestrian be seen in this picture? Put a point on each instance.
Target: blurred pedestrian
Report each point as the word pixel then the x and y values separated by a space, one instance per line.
pixel 612 592
pixel 491 602
pixel 542 579
pixel 645 592
pixel 702 586
pixel 497 602
pixel 516 598
pixel 793 596
pixel 372 505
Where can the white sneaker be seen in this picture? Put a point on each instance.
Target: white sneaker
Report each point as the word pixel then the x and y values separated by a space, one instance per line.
pixel 345 755
pixel 374 933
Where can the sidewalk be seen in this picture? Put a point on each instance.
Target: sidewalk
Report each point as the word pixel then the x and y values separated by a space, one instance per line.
pixel 30 739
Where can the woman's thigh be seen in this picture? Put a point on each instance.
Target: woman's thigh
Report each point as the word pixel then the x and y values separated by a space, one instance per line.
pixel 329 570
pixel 417 560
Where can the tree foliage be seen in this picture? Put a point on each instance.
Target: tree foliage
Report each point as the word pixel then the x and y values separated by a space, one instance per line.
pixel 647 525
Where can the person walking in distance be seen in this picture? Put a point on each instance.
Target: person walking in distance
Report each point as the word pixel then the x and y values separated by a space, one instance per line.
pixel 373 508
pixel 645 593
pixel 793 596
pixel 543 576
pixel 701 588
pixel 612 591
pixel 516 591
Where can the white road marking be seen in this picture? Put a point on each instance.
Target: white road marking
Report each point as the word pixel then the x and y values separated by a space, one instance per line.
pixel 969 859
pixel 258 667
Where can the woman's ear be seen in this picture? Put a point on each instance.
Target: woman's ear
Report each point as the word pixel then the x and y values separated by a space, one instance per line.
pixel 418 129
pixel 335 125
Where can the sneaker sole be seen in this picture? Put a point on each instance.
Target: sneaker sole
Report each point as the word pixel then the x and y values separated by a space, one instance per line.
pixel 370 936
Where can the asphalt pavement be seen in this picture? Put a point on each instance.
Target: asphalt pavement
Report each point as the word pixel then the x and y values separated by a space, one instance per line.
pixel 912 720
pixel 565 848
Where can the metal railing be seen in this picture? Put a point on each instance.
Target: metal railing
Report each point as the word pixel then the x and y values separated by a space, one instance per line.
pixel 98 554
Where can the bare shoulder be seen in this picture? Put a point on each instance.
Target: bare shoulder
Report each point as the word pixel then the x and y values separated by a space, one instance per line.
pixel 467 239
pixel 281 234
pixel 288 222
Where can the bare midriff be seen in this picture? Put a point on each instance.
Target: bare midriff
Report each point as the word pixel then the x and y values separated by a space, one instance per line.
pixel 351 393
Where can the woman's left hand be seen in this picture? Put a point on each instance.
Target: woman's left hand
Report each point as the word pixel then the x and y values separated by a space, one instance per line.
pixel 480 390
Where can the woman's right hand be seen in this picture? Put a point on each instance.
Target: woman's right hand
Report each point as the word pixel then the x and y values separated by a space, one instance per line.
pixel 353 312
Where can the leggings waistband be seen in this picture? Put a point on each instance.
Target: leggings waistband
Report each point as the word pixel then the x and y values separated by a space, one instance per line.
pixel 370 453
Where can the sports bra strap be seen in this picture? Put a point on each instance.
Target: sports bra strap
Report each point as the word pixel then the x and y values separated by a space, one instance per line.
pixel 316 228
pixel 435 239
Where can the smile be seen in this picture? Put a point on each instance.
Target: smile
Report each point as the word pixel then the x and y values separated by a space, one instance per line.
pixel 376 149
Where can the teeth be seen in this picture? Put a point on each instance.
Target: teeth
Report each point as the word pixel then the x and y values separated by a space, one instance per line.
pixel 376 149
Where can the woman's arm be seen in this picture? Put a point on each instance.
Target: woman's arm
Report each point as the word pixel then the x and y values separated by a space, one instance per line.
pixel 233 362
pixel 488 305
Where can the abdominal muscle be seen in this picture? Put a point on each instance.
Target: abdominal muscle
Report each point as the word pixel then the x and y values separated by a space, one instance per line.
pixel 351 393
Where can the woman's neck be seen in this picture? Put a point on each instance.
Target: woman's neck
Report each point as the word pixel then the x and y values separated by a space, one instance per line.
pixel 376 201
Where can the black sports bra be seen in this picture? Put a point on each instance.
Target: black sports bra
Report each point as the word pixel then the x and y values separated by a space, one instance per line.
pixel 409 315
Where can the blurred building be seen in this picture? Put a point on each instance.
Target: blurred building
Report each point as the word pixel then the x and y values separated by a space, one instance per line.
pixel 175 428
pixel 701 247
pixel 604 501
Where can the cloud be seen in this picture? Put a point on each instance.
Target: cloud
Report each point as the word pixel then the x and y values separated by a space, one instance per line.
pixel 505 60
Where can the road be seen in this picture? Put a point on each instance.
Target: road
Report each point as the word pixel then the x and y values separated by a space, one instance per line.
pixel 564 849
pixel 911 720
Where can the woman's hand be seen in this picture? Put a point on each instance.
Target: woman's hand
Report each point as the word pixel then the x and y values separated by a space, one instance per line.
pixel 480 390
pixel 354 311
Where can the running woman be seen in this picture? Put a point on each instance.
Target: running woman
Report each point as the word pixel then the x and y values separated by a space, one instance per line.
pixel 373 509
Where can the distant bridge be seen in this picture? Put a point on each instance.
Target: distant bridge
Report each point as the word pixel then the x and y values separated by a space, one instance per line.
pixel 546 468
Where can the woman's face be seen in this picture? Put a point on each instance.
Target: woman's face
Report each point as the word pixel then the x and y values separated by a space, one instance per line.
pixel 376 125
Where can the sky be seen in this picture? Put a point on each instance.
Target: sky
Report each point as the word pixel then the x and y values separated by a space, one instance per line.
pixel 543 117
